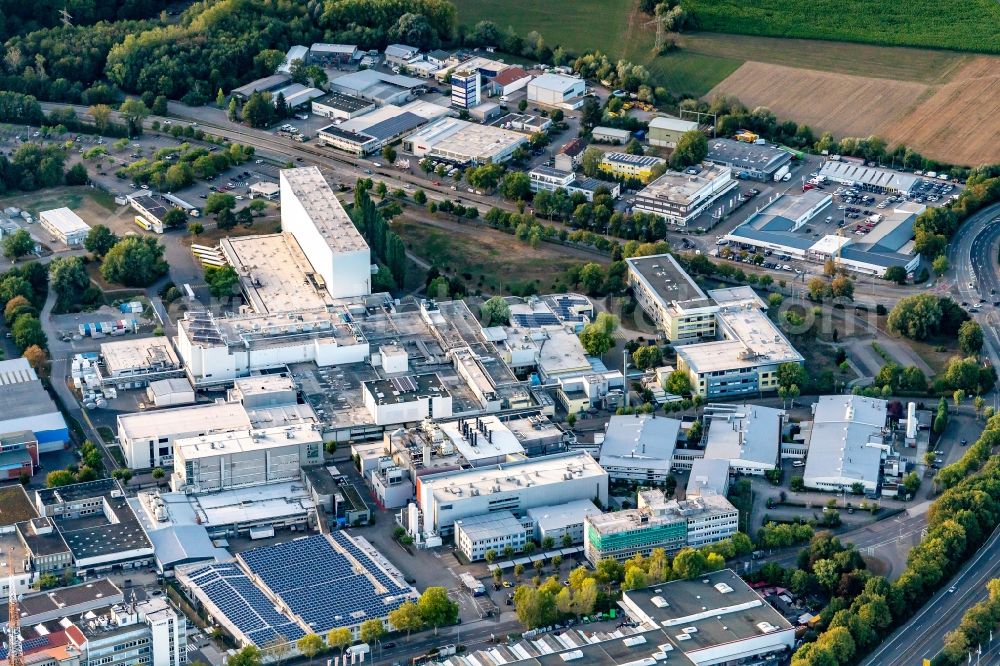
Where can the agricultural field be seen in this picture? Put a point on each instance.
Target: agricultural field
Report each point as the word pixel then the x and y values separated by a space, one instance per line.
pixel 965 26
pixel 93 205
pixel 945 121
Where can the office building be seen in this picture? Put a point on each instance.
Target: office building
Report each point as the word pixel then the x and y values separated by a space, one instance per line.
pixel 476 535
pixel 671 298
pixel 149 633
pixel 327 236
pixel 750 160
pixel 65 226
pixel 665 131
pixel 555 89
pixel 748 437
pixel 639 447
pixel 25 405
pixel 518 486
pixel 465 85
pixel 461 142
pixel 715 618
pixel 563 523
pixel 625 165
pixel 680 198
pixel 229 460
pixel 848 444
pixel 53 605
pixel 550 179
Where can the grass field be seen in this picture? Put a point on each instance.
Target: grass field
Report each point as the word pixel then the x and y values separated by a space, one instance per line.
pixel 88 203
pixel 966 26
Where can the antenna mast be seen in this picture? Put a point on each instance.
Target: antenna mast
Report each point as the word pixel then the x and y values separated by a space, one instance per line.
pixel 15 650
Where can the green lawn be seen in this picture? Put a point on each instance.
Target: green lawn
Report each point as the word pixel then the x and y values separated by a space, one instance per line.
pixel 961 26
pixel 686 72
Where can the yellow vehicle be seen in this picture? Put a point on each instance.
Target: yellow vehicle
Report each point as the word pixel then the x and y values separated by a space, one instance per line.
pixel 747 136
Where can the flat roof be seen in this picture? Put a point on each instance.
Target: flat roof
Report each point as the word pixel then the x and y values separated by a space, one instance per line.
pixel 100 591
pixel 333 48
pixel 555 82
pixel 560 516
pixel 398 390
pixel 272 329
pixel 96 535
pixel 634 160
pixel 65 220
pixel 512 476
pixel 739 154
pixel 260 85
pixel 560 351
pixel 640 441
pixel 395 126
pixel 324 209
pixel 612 131
pixel 275 274
pixel 41 537
pixel 775 222
pixel 205 418
pixel 684 188
pixel 846 440
pixel 754 340
pixel 720 605
pixel 671 283
pixel 492 438
pixel 494 525
pixel 18 401
pixel 132 354
pixel 215 444
pixel 672 124
pixel 163 387
pixel 152 204
pixel 344 102
pixel 709 476
pixel 750 433
pixel 872 176
pixel 15 505
pixel 460 137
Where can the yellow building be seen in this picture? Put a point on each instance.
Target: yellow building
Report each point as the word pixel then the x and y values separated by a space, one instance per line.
pixel 625 165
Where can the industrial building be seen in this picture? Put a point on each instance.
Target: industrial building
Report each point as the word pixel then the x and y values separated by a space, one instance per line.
pixel 465 85
pixel 748 437
pixel 563 523
pixel 379 87
pixel 265 190
pixel 665 131
pixel 31 544
pixel 869 179
pixel 337 55
pixel 847 443
pixel 680 198
pixel 327 236
pixel 709 476
pixel 135 362
pixel 889 244
pixel 611 135
pixel 262 597
pixel 715 619
pixel 25 405
pixel 625 165
pixel 265 85
pixel 774 226
pixel 296 96
pixel 407 399
pixel 524 122
pixel 400 54
pixel 550 179
pixel 750 160
pixel 555 89
pixel 151 209
pixel 450 496
pixel 509 81
pixel 745 357
pixel 367 134
pixel 97 524
pixel 338 105
pixel 18 455
pixel 42 607
pixel 476 535
pixel 64 225
pixel 461 142
pixel 659 523
pixel 170 392
pixel 639 447
pixel 296 52
pixel 147 438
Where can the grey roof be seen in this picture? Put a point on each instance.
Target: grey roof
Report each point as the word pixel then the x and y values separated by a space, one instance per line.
pixel 262 85
pixel 843 427
pixel 637 160
pixel 489 525
pixel 347 135
pixel 668 280
pixel 182 544
pixel 744 432
pixel 709 476
pixel 163 387
pixel 400 50
pixel 739 154
pixel 15 506
pixel 873 176
pixel 343 102
pixel 369 77
pixel 640 441
pixel 871 254
pixel 25 399
pixel 550 171
pixel 395 126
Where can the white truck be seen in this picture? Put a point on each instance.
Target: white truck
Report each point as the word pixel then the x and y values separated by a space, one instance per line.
pixel 470 581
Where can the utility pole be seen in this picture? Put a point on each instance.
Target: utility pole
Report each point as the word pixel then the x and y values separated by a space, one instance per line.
pixel 67 19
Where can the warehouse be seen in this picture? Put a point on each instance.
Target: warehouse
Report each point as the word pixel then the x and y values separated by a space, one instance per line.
pixel 151 209
pixel 297 52
pixel 327 236
pixel 555 89
pixel 134 363
pixel 400 54
pixel 338 105
pixel 264 85
pixel 639 448
pixel 337 55
pixel 750 160
pixel 296 96
pixel 368 134
pixel 519 486
pixel 461 142
pixel 680 198
pixel 612 135
pixel 716 618
pixel 847 444
pixel 869 179
pixel 26 405
pixel 778 225
pixel 509 81
pixel 665 131
pixel 747 437
pixel 626 165
pixel 379 87
pixel 64 225
pixel 549 179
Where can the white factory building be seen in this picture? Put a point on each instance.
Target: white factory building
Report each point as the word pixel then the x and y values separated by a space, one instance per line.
pixel 461 142
pixel 450 496
pixel 64 225
pixel 555 89
pixel 407 399
pixel 639 447
pixel 147 438
pixel 847 444
pixel 327 236
pixel 680 198
pixel 229 460
pixel 748 437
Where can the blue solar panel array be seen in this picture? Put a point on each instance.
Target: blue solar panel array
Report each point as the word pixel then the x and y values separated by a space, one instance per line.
pixel 244 604
pixel 563 307
pixel 27 645
pixel 535 320
pixel 320 585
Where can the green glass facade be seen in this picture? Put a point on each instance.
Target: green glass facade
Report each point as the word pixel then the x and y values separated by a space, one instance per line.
pixel 642 539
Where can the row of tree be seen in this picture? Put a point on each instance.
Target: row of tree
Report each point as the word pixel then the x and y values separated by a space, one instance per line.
pixel 385 243
pixel 22 291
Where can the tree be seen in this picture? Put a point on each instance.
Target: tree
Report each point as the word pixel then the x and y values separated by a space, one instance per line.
pixel 689 563
pixel 101 113
pixel 59 477
pixel 678 383
pixel 27 332
pixel 310 645
pixel 17 306
pixel 596 336
pixel 791 373
pixel 174 218
pixel 244 216
pixel 158 473
pixel 37 358
pixel 842 287
pixel 135 261
pixel 248 656
pixel 123 474
pixel 221 280
pixel 590 161
pixel 535 607
pixel 970 338
pixel 940 265
pixel 895 274
pixel 691 149
pixel 99 240
pixel 436 608
pixel 339 638
pixel 134 111
pixel 495 312
pixel 389 154
pixel 69 279
pixel 219 201
pixel 406 618
pixel 647 356
pixel 77 175
pixel 372 631
pixel 196 228
pixel 420 197
pixel 916 317
pixel 516 185
pixel 233 112
pixel 522 105
pixel 18 244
